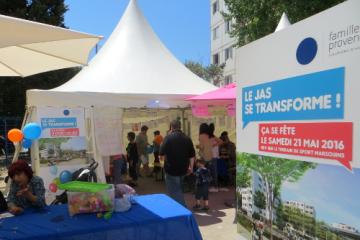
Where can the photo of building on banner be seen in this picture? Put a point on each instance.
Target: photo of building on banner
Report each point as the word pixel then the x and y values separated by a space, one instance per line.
pixel 63 139
pixel 298 129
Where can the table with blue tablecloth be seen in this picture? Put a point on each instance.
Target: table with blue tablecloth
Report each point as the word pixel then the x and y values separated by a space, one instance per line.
pixel 153 217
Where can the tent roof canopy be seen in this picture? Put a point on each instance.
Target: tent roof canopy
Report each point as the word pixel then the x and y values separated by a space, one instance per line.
pixel 133 69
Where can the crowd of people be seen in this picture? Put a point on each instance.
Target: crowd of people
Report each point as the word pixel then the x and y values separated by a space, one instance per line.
pixel 213 168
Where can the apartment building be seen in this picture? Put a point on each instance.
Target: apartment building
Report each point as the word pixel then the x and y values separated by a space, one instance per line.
pixel 304 208
pixel 247 194
pixel 222 45
pixel 344 227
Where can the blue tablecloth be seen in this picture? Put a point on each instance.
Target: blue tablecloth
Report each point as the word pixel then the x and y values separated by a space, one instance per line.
pixel 154 217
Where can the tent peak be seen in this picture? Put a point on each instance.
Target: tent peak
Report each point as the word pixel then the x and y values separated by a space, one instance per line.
pixel 133 68
pixel 283 23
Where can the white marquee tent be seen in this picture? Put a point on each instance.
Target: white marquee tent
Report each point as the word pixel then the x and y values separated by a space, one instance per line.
pixel 132 70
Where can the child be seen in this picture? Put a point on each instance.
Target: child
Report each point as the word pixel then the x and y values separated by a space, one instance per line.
pixel 117 168
pixel 156 143
pixel 203 179
pixel 133 158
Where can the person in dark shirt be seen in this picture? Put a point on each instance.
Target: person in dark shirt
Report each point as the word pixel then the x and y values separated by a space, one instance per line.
pixel 26 190
pixel 203 179
pixel 178 152
pixel 132 157
pixel 228 154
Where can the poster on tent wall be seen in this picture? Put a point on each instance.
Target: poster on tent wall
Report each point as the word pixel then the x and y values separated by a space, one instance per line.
pixel 298 129
pixel 63 137
pixel 62 146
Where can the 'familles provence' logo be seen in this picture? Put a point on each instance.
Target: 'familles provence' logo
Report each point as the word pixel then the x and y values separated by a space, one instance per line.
pixel 306 51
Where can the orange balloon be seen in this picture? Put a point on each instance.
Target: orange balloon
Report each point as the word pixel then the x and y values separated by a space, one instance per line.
pixel 15 135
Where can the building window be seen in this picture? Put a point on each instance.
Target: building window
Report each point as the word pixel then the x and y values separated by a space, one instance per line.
pixel 216 59
pixel 228 53
pixel 227 26
pixel 228 79
pixel 215 7
pixel 216 33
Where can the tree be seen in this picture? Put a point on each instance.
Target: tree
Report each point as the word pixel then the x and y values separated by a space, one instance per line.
pixel 274 172
pixel 256 216
pixel 259 200
pixel 44 11
pixel 243 177
pixel 280 223
pixel 13 89
pixel 301 221
pixel 253 19
pixel 14 8
pixel 213 73
pixel 323 231
pixel 197 68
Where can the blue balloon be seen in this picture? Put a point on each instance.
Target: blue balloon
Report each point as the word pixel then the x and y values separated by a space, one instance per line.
pixel 65 176
pixel 26 143
pixel 32 131
pixel 53 170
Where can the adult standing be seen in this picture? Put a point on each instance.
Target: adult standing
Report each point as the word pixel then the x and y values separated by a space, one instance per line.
pixel 205 145
pixel 178 152
pixel 216 142
pixel 228 149
pixel 142 145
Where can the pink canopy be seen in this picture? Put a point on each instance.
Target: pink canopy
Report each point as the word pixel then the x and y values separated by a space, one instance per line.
pixel 224 98
pixel 225 93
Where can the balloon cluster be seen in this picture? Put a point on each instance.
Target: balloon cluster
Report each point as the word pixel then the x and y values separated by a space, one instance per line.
pixel 64 177
pixel 30 132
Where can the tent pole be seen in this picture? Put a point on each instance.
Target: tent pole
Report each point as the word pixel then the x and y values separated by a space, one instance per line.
pixel 35 156
pixel 18 147
pixel 100 172
pixel 184 128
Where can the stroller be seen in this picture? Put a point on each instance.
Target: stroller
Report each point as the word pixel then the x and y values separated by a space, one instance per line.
pixel 86 174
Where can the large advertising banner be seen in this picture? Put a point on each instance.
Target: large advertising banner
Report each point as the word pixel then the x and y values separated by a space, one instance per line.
pixel 298 124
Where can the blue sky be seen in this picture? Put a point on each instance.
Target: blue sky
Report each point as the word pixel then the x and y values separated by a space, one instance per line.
pixel 183 26
pixel 332 190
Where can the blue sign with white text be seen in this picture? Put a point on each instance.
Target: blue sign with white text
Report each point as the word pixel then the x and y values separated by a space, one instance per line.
pixel 312 96
pixel 58 123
